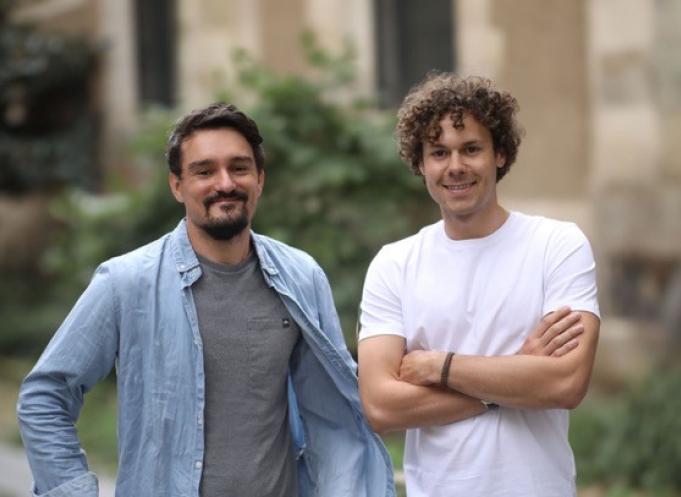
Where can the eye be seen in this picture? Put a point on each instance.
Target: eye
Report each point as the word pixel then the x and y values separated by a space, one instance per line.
pixel 472 149
pixel 439 153
pixel 240 168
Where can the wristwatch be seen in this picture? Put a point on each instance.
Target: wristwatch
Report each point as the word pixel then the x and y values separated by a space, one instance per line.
pixel 489 405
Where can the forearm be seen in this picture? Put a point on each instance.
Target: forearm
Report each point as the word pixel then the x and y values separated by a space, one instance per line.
pixel 392 405
pixel 518 380
pixel 529 380
pixel 46 412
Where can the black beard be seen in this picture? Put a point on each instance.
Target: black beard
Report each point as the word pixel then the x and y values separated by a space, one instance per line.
pixel 224 230
pixel 227 229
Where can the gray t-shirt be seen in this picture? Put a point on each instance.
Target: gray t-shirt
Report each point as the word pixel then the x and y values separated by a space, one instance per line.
pixel 248 337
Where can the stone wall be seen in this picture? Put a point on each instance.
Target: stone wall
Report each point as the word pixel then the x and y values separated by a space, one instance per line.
pixel 598 83
pixel 636 76
pixel 269 30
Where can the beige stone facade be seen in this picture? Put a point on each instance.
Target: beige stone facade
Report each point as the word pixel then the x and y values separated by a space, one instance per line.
pixel 270 30
pixel 598 83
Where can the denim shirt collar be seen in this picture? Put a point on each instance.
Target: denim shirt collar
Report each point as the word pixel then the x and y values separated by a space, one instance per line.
pixel 187 264
pixel 266 263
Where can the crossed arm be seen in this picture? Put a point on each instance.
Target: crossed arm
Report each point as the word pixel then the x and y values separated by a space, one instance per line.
pixel 551 370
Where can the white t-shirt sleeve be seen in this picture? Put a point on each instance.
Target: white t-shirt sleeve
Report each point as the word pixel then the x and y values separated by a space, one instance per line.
pixel 381 306
pixel 570 272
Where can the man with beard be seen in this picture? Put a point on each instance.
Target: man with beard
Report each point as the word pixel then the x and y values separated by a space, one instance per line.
pixel 233 376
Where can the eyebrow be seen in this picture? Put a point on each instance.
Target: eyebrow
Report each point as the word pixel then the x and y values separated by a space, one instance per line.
pixel 464 144
pixel 242 158
pixel 198 164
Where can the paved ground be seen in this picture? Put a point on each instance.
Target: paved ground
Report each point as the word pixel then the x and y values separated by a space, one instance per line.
pixel 15 477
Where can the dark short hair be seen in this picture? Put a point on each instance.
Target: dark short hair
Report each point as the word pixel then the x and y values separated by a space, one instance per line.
pixel 442 94
pixel 215 116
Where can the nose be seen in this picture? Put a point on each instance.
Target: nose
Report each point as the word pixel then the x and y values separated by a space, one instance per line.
pixel 223 181
pixel 456 165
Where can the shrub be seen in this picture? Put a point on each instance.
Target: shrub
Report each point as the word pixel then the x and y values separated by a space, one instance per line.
pixel 635 441
pixel 335 187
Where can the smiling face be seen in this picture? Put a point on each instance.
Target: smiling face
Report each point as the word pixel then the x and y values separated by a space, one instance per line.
pixel 219 184
pixel 460 172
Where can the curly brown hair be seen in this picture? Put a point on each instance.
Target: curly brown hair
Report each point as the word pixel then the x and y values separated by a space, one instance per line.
pixel 441 94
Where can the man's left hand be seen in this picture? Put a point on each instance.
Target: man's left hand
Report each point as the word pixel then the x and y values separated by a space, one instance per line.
pixel 422 367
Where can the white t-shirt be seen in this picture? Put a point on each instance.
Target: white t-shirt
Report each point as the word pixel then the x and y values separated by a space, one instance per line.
pixel 483 297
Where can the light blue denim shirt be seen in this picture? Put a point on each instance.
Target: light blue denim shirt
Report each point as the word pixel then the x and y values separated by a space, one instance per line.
pixel 138 314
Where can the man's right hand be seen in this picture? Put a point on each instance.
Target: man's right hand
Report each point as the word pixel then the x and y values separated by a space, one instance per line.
pixel 555 335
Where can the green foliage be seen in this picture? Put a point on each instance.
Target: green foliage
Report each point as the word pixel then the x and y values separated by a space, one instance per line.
pixel 97 426
pixel 635 442
pixel 30 312
pixel 5 7
pixel 394 442
pixel 47 133
pixel 47 161
pixel 334 186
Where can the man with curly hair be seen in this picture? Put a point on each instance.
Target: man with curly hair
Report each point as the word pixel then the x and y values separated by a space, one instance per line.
pixel 478 333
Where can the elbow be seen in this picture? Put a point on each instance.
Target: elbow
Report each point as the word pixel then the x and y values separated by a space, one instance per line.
pixel 21 399
pixel 35 400
pixel 379 419
pixel 570 402
pixel 23 409
pixel 376 420
pixel 572 393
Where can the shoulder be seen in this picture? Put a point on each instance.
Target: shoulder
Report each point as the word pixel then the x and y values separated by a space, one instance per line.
pixel 400 251
pixel 561 245
pixel 547 229
pixel 296 267
pixel 139 262
pixel 394 260
pixel 278 253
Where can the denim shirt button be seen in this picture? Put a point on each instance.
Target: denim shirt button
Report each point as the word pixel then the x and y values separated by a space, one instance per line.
pixel 198 464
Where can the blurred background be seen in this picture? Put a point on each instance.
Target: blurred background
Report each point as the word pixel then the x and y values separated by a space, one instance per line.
pixel 90 88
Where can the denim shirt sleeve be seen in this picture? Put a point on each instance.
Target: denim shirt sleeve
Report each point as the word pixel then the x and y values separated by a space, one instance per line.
pixel 81 353
pixel 85 485
pixel 328 317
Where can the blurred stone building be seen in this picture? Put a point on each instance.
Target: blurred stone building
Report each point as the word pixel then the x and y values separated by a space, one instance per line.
pixel 599 84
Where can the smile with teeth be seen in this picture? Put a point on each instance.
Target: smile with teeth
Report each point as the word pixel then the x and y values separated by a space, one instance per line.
pixel 459 187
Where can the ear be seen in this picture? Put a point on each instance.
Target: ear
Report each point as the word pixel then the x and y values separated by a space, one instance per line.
pixel 174 183
pixel 500 160
pixel 421 168
pixel 261 181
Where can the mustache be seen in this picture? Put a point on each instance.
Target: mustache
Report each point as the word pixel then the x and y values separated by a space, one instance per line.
pixel 232 195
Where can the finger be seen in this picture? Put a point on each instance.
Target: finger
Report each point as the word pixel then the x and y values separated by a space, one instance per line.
pixel 563 338
pixel 568 347
pixel 572 332
pixel 551 319
pixel 560 327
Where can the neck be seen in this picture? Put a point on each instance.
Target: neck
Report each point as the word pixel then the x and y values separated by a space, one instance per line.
pixel 231 251
pixel 466 227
